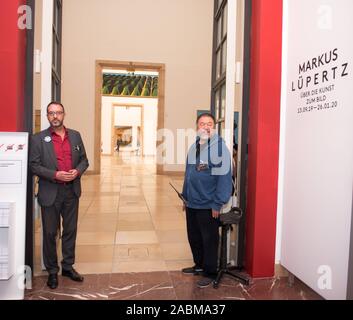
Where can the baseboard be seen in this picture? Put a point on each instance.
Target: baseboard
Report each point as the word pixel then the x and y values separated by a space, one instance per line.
pixel 280 271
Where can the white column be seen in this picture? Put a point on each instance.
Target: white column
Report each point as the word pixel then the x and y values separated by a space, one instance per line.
pixel 231 70
pixel 230 84
pixel 282 133
pixel 134 138
pixel 47 53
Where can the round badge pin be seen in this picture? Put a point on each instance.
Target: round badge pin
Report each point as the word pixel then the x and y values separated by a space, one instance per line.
pixel 47 139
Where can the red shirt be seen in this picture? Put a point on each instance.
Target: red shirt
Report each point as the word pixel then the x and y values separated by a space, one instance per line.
pixel 63 151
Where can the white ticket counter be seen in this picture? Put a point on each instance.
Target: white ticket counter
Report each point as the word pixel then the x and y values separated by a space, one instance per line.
pixel 13 187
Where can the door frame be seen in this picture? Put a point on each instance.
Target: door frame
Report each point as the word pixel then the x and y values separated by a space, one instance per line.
pixel 243 174
pixel 117 105
pixel 125 65
pixel 27 126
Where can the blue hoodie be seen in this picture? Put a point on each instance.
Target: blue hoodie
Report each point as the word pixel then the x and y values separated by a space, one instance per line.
pixel 211 187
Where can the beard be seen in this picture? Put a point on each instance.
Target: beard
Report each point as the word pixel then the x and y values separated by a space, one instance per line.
pixel 204 134
pixel 56 123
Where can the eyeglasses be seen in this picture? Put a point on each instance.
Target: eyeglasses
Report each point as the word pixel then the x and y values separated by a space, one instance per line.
pixel 53 113
pixel 206 124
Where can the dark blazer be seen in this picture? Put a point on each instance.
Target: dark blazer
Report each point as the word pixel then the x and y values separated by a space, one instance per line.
pixel 43 163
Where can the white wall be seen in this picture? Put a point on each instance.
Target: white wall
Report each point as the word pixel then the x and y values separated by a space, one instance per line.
pixel 316 171
pixel 150 113
pixel 127 116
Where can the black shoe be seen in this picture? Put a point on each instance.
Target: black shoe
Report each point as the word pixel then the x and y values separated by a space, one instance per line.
pixel 72 274
pixel 192 270
pixel 52 282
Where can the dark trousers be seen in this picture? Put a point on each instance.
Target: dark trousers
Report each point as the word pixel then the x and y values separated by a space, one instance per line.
pixel 203 235
pixel 65 205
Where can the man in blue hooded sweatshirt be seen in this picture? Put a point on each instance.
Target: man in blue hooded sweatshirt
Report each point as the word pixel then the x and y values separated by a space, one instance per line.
pixel 207 187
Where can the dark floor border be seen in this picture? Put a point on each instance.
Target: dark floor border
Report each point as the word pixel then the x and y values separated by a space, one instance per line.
pixel 28 127
pixel 350 261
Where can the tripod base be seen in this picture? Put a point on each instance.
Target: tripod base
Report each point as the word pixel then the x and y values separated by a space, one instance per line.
pixel 242 279
pixel 227 220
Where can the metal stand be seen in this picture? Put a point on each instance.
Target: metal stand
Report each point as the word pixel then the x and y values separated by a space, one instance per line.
pixel 227 219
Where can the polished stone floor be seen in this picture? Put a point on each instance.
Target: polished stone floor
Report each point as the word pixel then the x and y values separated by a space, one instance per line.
pixel 132 243
pixel 166 285
pixel 130 220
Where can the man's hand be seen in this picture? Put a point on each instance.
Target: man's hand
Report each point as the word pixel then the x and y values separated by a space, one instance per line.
pixel 66 176
pixel 215 214
pixel 74 173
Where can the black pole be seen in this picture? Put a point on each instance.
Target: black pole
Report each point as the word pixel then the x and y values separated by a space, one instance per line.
pixel 244 135
pixel 28 127
pixel 350 262
pixel 213 74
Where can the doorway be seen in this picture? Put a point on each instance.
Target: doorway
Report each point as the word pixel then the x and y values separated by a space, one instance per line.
pixel 132 68
pixel 129 217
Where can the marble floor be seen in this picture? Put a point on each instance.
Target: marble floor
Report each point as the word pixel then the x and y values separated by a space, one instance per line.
pixel 166 285
pixel 130 220
pixel 132 243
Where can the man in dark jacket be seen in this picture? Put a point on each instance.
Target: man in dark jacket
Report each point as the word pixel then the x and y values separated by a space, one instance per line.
pixel 58 157
pixel 207 187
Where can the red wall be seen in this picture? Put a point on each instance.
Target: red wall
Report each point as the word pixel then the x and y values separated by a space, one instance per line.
pixel 12 67
pixel 264 118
